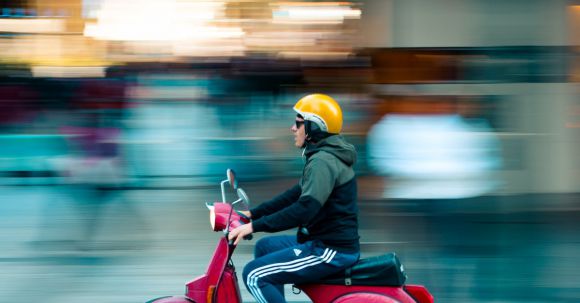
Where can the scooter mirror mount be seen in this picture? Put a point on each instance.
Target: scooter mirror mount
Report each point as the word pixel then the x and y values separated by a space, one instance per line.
pixel 231 179
pixel 243 197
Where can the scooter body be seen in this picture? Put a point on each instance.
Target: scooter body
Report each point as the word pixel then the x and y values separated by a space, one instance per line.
pixel 324 293
pixel 219 284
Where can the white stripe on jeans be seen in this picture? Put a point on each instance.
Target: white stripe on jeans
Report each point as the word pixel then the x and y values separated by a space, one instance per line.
pixel 255 291
pixel 252 280
pixel 291 266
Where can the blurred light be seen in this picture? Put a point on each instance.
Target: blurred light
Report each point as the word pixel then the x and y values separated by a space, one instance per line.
pixel 276 39
pixel 179 28
pixel 32 25
pixel 152 20
pixel 316 55
pixel 68 71
pixel 330 13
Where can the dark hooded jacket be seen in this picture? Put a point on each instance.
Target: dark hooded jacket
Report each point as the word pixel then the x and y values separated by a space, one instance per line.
pixel 323 204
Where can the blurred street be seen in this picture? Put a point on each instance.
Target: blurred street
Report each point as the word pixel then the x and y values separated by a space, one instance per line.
pixel 119 118
pixel 152 241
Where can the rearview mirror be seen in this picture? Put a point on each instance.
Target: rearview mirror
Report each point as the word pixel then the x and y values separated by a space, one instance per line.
pixel 231 175
pixel 242 195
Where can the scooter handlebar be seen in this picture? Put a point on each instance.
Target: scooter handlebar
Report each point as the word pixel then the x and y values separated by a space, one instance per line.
pixel 221 214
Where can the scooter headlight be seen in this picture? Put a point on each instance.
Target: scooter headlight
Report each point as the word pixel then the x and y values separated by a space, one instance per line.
pixel 211 215
pixel 218 215
pixel 212 218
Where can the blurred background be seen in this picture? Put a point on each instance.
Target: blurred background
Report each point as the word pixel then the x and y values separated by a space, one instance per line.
pixel 118 119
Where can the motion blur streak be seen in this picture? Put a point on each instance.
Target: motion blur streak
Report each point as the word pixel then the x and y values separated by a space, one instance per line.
pixel 118 118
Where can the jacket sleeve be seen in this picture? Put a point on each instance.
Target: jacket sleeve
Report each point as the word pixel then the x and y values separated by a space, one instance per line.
pixel 292 216
pixel 279 202
pixel 317 184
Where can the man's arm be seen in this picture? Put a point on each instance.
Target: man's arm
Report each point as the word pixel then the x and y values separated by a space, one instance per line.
pixel 294 215
pixel 280 202
pixel 318 183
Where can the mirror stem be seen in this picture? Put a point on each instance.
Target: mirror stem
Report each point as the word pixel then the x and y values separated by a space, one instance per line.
pixel 222 184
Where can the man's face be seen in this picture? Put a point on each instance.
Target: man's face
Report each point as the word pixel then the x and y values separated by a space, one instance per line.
pixel 299 132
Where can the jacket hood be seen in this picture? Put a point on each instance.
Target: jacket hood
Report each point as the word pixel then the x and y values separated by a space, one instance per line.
pixel 335 145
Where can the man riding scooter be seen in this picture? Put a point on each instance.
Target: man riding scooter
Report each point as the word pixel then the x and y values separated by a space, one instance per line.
pixel 322 206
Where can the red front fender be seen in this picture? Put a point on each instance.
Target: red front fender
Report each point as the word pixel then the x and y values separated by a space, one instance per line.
pixel 171 299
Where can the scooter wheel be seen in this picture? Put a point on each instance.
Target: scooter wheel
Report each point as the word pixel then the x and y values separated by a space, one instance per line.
pixel 364 297
pixel 171 299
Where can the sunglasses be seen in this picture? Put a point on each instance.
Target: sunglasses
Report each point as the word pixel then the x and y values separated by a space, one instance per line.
pixel 299 123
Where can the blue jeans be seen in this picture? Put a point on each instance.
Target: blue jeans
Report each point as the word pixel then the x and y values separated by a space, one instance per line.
pixel 282 260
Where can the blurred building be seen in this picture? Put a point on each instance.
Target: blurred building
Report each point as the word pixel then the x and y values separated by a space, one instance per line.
pixel 516 57
pixel 516 60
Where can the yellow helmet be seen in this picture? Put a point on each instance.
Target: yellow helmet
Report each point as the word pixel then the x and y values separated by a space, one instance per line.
pixel 321 110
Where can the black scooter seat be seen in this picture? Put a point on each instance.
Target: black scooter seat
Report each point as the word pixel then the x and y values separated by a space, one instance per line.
pixel 383 270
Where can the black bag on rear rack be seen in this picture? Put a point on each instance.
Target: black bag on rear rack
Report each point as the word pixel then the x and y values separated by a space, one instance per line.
pixel 384 270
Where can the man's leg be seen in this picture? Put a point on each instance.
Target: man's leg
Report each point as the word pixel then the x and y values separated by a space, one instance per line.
pixel 302 263
pixel 272 244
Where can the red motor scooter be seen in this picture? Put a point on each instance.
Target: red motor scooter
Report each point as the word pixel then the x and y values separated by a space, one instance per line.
pixel 373 280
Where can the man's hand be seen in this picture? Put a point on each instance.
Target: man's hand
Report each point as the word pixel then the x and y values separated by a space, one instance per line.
pixel 240 232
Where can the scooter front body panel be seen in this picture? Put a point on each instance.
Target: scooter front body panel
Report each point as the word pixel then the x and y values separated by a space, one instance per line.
pixel 197 289
pixel 228 290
